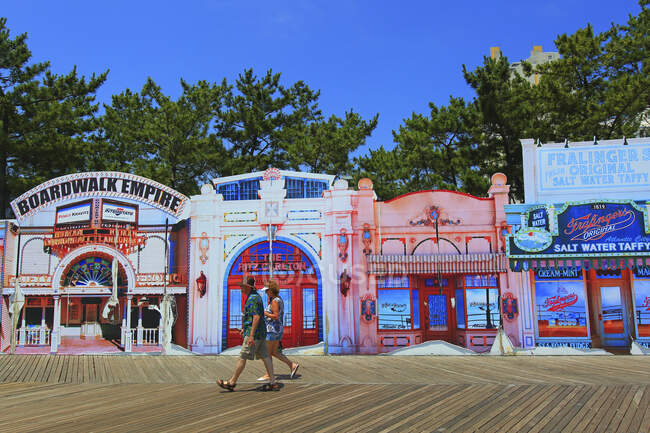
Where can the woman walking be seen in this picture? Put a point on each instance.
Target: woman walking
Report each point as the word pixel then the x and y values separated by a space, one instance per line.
pixel 274 316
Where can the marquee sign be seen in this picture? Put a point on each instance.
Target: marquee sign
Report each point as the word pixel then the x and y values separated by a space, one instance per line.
pixel 100 184
pixel 119 212
pixel 79 212
pixel 281 262
pixel 605 228
pixel 63 241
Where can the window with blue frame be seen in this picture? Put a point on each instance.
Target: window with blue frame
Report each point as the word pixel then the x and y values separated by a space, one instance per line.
pixel 398 304
pixel 229 191
pixel 248 189
pixel 241 190
pixel 477 302
pixel 314 188
pixel 295 187
pixel 305 188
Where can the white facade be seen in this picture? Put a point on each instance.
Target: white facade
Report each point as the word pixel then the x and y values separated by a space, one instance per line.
pixel 223 229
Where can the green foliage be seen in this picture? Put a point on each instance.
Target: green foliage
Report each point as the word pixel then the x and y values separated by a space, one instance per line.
pixel 173 142
pixel 44 119
pixel 265 124
pixel 507 110
pixel 600 86
pixel 435 152
pixel 324 146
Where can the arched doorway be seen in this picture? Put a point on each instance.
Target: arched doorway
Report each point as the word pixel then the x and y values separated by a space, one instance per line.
pixel 299 289
pixel 85 285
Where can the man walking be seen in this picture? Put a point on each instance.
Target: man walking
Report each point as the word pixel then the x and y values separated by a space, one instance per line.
pixel 254 333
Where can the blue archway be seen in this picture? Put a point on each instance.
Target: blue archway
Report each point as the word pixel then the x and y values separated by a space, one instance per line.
pixel 235 257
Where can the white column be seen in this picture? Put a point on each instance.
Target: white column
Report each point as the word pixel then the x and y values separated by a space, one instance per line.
pixel 56 326
pixel 123 327
pixel 23 334
pixel 128 345
pixel 139 331
pixel 41 334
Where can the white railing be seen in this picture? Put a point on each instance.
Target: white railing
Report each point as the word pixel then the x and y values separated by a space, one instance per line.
pixel 145 336
pixel 39 336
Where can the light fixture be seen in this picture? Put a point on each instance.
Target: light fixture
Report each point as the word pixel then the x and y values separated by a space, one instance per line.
pixel 201 284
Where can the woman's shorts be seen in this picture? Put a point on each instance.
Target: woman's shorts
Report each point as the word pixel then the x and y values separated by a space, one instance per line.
pixel 273 336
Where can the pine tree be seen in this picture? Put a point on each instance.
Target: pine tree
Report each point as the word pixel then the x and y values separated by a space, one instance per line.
pixel 44 119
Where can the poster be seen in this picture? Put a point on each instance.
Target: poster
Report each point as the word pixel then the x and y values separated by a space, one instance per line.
pixel 73 214
pixel 642 307
pixel 394 310
pixel 561 308
pixel 482 308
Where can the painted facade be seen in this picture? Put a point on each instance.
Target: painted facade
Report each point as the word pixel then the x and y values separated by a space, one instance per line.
pixel 358 274
pixel 581 243
pixel 80 241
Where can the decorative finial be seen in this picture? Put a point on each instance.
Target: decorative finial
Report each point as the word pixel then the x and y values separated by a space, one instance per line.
pixel 538 143
pixel 625 143
pixel 595 141
pixel 566 143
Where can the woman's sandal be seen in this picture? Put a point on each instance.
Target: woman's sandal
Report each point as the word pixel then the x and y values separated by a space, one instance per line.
pixel 226 385
pixel 293 371
pixel 271 387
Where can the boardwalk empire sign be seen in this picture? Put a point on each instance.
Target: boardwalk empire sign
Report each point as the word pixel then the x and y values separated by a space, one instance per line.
pixel 94 184
pixel 589 229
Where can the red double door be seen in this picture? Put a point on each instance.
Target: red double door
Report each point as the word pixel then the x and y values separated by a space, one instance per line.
pixel 300 297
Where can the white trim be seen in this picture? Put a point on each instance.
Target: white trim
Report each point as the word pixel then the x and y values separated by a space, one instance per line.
pixel 285 173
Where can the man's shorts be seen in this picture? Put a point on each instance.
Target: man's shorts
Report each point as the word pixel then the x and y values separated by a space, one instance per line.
pixel 256 351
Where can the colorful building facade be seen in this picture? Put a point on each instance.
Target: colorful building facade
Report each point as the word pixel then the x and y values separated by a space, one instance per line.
pixel 358 274
pixel 581 243
pixel 82 240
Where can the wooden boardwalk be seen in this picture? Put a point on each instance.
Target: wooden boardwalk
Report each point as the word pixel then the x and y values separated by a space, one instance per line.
pixel 346 393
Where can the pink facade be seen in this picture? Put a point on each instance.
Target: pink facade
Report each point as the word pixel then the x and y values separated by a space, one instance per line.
pixel 435 267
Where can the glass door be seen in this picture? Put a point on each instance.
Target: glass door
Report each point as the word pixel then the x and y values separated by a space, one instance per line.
pixel 613 324
pixel 437 315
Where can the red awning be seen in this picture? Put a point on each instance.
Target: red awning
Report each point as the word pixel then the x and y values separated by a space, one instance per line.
pixel 434 263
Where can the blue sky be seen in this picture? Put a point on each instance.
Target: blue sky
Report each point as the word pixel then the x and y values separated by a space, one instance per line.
pixel 390 58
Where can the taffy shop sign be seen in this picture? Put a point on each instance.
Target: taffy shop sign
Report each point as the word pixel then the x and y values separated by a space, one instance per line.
pixel 99 184
pixel 586 229
pixel 560 302
pixel 591 167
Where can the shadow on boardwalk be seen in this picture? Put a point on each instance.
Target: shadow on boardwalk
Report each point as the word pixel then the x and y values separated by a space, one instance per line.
pixel 178 393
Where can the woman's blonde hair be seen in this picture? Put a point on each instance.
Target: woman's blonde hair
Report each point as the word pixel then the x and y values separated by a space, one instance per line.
pixel 273 288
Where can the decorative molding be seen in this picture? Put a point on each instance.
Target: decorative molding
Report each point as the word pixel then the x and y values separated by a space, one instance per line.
pixel 240 217
pixel 314 240
pixel 304 215
pixel 232 241
pixel 432 216
pixel 204 246
pixel 94 248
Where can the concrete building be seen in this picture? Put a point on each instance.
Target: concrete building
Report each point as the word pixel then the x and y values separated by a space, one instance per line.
pixel 537 57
